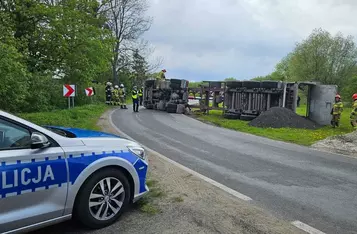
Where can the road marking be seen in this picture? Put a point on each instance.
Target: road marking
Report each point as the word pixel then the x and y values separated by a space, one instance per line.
pixel 306 227
pixel 213 182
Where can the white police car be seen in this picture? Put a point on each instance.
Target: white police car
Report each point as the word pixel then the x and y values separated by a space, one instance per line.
pixel 51 174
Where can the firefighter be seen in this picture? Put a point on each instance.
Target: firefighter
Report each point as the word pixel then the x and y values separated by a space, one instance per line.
pixel 135 97
pixel 161 75
pixel 336 111
pixel 140 93
pixel 108 93
pixel 122 98
pixel 116 95
pixel 353 116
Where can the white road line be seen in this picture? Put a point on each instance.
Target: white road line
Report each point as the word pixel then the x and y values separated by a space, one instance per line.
pixel 306 227
pixel 213 182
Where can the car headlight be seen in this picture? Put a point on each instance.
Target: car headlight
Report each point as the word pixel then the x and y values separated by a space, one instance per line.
pixel 140 152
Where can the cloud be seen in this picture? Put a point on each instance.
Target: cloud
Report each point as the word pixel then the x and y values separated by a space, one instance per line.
pixel 215 39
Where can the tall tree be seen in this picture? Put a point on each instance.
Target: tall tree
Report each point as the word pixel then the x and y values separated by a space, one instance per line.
pixel 139 67
pixel 128 21
pixel 324 58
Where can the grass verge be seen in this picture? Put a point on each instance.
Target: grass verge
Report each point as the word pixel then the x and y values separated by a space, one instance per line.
pixel 80 117
pixel 147 203
pixel 298 136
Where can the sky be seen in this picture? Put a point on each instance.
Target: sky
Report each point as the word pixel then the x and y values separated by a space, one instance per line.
pixel 215 39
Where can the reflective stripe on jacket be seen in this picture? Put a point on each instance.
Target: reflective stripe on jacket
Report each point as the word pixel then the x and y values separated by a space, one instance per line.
pixel 337 108
pixel 353 115
pixel 134 94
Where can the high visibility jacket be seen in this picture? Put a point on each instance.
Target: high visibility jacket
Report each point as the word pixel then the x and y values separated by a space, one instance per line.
pixel 337 108
pixel 116 93
pixel 140 92
pixel 121 92
pixel 134 94
pixel 161 75
pixel 353 115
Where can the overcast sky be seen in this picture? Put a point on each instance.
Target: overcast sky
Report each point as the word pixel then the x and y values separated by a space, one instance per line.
pixel 215 39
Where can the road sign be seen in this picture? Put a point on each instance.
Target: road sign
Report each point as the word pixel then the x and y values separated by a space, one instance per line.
pixel 69 90
pixel 89 91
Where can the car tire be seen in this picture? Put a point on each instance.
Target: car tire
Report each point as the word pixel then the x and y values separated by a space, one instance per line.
pixel 85 210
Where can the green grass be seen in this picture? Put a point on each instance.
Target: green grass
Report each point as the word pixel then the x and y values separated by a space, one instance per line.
pixel 298 136
pixel 80 117
pixel 147 203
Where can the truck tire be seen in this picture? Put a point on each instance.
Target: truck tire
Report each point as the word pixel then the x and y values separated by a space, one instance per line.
pixel 171 108
pixel 251 84
pixel 90 211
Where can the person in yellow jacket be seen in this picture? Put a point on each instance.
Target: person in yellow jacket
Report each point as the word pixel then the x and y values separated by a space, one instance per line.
pixel 161 75
pixel 122 98
pixel 353 116
pixel 141 96
pixel 116 95
pixel 134 95
pixel 336 111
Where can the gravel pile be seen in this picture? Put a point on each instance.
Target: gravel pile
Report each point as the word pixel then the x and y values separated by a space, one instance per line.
pixel 280 117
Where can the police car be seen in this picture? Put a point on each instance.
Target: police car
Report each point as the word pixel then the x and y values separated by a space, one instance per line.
pixel 50 174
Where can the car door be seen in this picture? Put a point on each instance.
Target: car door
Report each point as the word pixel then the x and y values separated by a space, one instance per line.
pixel 33 182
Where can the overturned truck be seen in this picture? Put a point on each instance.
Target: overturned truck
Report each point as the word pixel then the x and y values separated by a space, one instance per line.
pixel 170 95
pixel 248 99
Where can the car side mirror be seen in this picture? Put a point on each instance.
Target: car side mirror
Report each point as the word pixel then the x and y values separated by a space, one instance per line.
pixel 39 141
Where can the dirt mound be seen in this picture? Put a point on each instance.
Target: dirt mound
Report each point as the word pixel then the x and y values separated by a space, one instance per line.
pixel 280 117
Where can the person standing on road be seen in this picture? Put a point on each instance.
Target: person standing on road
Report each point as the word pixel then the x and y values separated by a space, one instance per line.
pixel 141 96
pixel 116 95
pixel 135 97
pixel 353 116
pixel 122 101
pixel 336 111
pixel 108 93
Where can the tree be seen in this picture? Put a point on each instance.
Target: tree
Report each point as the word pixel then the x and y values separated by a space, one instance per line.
pixel 140 68
pixel 324 58
pixel 128 21
pixel 230 78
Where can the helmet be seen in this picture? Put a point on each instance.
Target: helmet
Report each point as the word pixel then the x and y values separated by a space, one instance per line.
pixel 116 86
pixel 354 96
pixel 121 86
pixel 164 70
pixel 108 83
pixel 337 96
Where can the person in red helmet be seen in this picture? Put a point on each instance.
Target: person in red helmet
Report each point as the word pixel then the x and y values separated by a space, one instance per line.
pixel 336 111
pixel 353 116
pixel 161 75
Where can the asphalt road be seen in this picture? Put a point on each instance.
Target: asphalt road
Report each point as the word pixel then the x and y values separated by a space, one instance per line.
pixel 293 182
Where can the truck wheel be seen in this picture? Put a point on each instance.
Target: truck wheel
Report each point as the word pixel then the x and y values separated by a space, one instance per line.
pixel 102 199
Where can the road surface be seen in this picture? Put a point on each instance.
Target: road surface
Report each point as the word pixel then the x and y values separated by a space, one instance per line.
pixel 293 182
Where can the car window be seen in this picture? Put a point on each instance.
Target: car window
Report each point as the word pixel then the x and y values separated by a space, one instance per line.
pixel 13 136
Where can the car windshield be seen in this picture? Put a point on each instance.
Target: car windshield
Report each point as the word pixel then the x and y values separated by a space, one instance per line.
pixel 61 132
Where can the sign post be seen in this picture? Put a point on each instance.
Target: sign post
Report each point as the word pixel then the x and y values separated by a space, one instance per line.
pixel 69 91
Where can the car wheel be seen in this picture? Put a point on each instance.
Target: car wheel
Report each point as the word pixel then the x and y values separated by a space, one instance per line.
pixel 102 199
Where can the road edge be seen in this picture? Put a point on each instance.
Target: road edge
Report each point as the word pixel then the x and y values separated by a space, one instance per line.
pixel 296 223
pixel 188 170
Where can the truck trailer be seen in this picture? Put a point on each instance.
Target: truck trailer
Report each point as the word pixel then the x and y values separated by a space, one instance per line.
pixel 170 95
